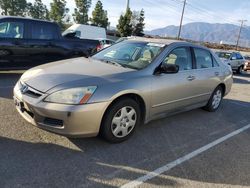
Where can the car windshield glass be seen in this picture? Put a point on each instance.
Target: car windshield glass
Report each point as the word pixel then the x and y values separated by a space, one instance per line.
pixel 247 57
pixel 224 55
pixel 135 55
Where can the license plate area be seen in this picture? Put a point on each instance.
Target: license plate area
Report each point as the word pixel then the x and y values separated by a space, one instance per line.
pixel 19 104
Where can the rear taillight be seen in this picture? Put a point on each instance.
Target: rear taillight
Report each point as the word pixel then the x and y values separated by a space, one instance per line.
pixel 99 47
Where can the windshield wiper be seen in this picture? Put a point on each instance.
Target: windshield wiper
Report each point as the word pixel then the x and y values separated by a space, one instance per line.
pixel 113 63
pixel 118 64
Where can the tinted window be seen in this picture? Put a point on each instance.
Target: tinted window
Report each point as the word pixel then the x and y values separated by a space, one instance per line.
pixel 233 56
pixel 203 58
pixel 11 30
pixel 181 57
pixel 239 56
pixel 43 31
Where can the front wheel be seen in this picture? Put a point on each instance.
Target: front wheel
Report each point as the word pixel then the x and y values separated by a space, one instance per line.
pixel 120 120
pixel 240 70
pixel 215 100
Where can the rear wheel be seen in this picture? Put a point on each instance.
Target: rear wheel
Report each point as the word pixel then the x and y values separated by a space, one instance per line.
pixel 215 100
pixel 120 120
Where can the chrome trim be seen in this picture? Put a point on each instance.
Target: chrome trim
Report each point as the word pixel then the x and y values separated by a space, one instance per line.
pixel 50 126
pixel 178 100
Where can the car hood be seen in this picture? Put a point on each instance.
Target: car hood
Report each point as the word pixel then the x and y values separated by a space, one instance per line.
pixel 72 72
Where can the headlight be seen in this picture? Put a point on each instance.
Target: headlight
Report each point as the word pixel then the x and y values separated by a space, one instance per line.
pixel 71 96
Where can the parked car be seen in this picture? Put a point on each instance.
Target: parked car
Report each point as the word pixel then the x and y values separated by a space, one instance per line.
pixel 28 42
pixel 120 87
pixel 104 43
pixel 247 63
pixel 86 31
pixel 234 59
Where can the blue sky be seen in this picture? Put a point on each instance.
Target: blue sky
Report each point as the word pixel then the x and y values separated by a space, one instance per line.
pixel 160 13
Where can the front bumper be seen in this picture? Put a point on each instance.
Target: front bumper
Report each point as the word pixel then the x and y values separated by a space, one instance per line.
pixel 69 120
pixel 247 66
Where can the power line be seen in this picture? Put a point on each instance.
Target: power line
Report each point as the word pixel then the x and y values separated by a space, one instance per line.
pixel 206 12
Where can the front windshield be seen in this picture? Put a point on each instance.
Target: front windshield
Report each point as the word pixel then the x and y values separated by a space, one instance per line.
pixel 224 55
pixel 247 57
pixel 135 55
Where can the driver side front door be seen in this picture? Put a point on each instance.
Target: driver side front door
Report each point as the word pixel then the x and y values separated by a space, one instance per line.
pixel 172 92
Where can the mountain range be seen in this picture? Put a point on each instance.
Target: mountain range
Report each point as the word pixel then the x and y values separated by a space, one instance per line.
pixel 207 32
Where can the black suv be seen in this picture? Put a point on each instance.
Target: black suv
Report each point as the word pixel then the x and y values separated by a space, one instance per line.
pixel 25 43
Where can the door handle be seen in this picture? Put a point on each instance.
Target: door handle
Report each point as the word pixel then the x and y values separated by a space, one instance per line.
pixel 190 78
pixel 216 73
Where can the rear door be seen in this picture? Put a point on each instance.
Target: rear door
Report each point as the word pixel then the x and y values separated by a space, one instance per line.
pixel 207 74
pixel 12 44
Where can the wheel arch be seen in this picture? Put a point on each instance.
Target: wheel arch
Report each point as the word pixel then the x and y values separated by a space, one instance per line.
pixel 132 95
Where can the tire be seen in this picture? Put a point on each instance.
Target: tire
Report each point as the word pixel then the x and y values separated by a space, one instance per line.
pixel 120 120
pixel 215 100
pixel 240 70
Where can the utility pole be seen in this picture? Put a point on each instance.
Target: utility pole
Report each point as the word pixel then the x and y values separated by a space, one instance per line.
pixel 241 25
pixel 183 10
pixel 127 5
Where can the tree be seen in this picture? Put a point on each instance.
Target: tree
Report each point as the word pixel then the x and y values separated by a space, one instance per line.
pixel 99 16
pixel 138 23
pixel 81 11
pixel 13 7
pixel 57 11
pixel 38 10
pixel 124 24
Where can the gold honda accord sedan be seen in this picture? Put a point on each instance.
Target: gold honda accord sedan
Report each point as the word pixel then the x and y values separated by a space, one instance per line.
pixel 130 83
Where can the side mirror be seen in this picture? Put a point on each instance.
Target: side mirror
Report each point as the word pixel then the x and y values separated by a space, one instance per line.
pixel 233 58
pixel 169 68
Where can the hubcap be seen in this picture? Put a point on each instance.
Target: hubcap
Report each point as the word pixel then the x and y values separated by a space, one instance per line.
pixel 217 99
pixel 123 122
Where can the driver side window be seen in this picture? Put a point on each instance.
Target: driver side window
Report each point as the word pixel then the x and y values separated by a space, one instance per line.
pixel 180 56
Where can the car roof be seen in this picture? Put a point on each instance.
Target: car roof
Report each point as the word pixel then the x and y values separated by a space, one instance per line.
pixel 165 41
pixel 154 40
pixel 24 18
pixel 104 39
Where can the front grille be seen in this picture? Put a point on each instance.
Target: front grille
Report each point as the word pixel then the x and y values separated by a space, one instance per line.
pixel 27 90
pixel 33 94
pixel 53 122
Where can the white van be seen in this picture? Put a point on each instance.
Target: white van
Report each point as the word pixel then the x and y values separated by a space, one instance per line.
pixel 86 31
